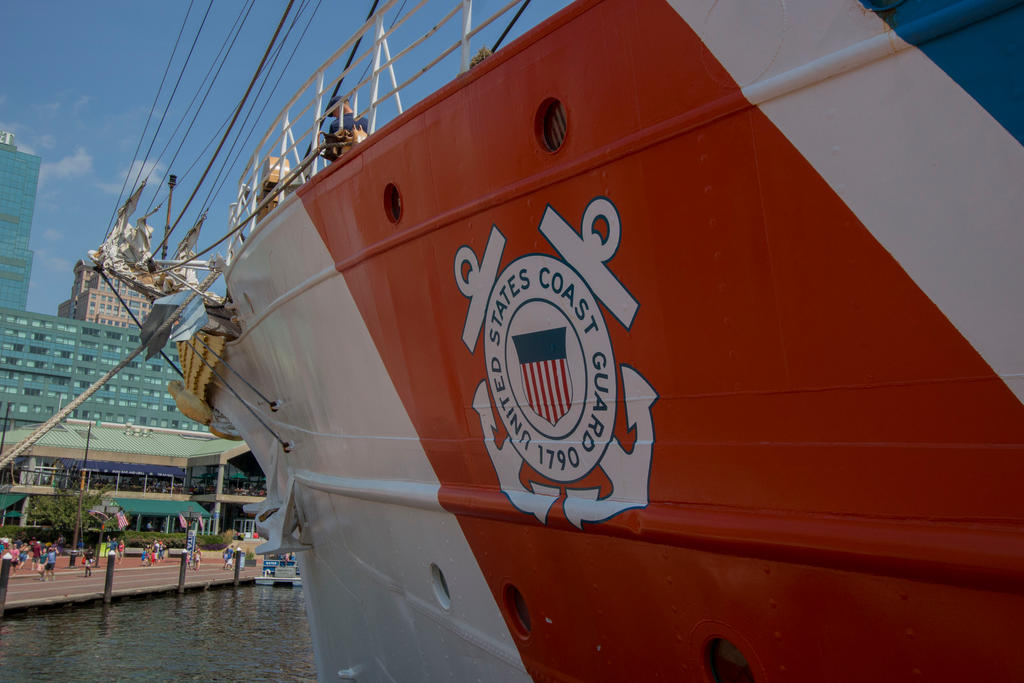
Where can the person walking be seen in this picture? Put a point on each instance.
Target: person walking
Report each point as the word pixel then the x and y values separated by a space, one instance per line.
pixel 51 562
pixel 89 560
pixel 46 571
pixel 37 554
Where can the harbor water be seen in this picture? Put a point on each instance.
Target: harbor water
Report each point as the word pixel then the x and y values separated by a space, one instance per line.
pixel 250 633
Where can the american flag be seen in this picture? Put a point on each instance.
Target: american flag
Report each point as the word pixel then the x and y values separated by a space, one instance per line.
pixel 122 521
pixel 181 521
pixel 201 528
pixel 545 372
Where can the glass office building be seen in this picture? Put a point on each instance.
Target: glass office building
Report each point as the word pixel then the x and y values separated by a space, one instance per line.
pixel 45 361
pixel 19 174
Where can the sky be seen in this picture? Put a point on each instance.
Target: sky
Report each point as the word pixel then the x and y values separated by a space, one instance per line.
pixel 82 88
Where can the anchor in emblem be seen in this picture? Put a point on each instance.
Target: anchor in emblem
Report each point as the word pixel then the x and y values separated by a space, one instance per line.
pixel 558 405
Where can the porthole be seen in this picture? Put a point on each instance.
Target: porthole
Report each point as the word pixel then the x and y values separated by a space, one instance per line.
pixel 444 598
pixel 518 613
pixel 727 663
pixel 551 125
pixel 392 203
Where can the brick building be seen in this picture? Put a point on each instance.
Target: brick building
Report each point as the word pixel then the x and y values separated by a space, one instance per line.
pixel 92 300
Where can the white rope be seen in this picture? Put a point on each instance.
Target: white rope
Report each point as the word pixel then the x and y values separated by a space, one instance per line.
pixel 40 431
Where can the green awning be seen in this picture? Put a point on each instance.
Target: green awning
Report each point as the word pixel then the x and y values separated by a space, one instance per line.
pixel 11 513
pixel 9 499
pixel 159 508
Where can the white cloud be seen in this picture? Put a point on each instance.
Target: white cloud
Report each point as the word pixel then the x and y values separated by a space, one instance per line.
pixel 81 102
pixel 52 235
pixel 79 163
pixel 140 170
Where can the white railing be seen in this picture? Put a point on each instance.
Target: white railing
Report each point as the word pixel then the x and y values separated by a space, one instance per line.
pixel 289 149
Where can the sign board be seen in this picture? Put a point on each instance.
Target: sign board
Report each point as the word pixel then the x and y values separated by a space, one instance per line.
pixel 190 543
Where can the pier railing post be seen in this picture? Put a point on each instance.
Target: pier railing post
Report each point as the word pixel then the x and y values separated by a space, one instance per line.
pixel 108 585
pixel 181 570
pixel 5 576
pixel 238 558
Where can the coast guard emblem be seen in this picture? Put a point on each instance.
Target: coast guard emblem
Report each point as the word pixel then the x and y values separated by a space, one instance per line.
pixel 551 371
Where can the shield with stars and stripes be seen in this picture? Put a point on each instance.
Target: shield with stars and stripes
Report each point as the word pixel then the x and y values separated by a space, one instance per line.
pixel 546 379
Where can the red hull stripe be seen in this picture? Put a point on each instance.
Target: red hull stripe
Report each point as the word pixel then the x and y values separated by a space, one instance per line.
pixel 825 442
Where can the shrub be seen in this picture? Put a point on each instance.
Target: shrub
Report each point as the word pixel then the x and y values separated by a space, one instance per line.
pixel 177 540
pixel 214 545
pixel 138 539
pixel 25 533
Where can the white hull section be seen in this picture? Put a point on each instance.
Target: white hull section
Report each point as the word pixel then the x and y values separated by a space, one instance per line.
pixel 364 492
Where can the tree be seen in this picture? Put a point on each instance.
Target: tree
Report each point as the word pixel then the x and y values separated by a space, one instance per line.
pixel 61 510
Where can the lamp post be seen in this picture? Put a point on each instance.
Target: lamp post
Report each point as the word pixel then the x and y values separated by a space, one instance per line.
pixel 190 548
pixel 3 438
pixel 81 494
pixel 3 435
pixel 171 182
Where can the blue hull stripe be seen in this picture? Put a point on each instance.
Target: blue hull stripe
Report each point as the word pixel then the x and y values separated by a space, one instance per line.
pixel 978 43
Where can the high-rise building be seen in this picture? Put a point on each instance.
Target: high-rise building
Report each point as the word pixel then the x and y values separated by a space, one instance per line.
pixel 92 300
pixel 19 175
pixel 46 361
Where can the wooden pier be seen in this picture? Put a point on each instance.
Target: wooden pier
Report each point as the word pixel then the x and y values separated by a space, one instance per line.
pixel 70 587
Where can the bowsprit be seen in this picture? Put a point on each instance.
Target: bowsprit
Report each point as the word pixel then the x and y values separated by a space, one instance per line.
pixel 551 369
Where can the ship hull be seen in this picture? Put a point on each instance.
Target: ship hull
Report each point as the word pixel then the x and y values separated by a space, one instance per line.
pixel 732 364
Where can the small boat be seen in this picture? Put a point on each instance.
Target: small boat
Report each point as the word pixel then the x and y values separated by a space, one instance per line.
pixel 279 572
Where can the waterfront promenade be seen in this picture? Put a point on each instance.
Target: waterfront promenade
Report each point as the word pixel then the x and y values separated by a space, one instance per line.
pixel 70 586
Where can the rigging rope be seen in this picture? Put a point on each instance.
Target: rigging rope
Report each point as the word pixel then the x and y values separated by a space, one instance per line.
pixel 152 107
pixel 278 189
pixel 272 404
pixel 213 139
pixel 229 159
pixel 222 56
pixel 284 444
pixel 238 110
pixel 40 431
pixel 100 270
pixel 170 99
pixel 508 28
pixel 242 146
pixel 352 54
pixel 348 62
